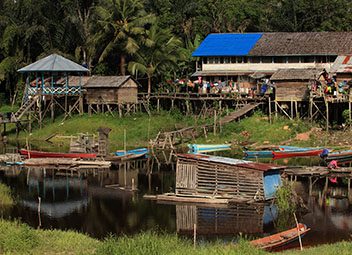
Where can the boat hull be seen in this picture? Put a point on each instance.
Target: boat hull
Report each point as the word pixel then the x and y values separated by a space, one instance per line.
pixel 43 154
pixel 281 239
pixel 293 154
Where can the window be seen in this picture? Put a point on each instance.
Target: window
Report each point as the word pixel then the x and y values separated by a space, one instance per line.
pixel 205 60
pixel 279 59
pixel 308 59
pixel 211 60
pixel 267 60
pixel 293 59
pixel 332 59
pixel 255 60
pixel 226 60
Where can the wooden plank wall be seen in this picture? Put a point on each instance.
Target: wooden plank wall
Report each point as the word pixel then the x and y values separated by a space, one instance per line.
pixel 244 218
pixel 293 90
pixel 200 177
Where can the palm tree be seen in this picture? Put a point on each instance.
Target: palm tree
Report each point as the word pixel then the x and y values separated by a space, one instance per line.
pixel 122 23
pixel 158 55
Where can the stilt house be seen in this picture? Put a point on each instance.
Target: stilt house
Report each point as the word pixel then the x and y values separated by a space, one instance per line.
pixel 219 177
pixel 111 90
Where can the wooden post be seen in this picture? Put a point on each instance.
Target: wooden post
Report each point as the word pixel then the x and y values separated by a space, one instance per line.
pixel 158 105
pixel 296 106
pixel 310 185
pixel 194 235
pixel 214 131
pixel 298 232
pixel 120 110
pixel 52 109
pixel 270 110
pixel 81 105
pixel 172 104
pixel 311 109
pixel 327 116
pixel 291 109
pixel 349 113
pixel 275 109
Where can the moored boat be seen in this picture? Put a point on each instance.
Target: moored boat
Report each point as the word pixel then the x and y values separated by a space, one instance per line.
pixel 202 148
pixel 282 238
pixel 293 154
pixel 339 156
pixel 44 154
pixel 270 154
pixel 135 153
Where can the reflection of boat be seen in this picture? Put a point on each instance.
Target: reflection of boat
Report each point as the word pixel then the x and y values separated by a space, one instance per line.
pixel 43 154
pixel 282 238
pixel 293 154
pixel 132 154
pixel 202 148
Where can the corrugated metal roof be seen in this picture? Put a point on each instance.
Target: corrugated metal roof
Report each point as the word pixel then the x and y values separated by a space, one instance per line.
pixel 232 161
pixel 107 81
pixel 227 44
pixel 53 63
pixel 342 64
pixel 302 74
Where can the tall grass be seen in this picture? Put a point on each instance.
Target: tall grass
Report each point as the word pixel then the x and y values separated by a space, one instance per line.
pixel 5 196
pixel 18 238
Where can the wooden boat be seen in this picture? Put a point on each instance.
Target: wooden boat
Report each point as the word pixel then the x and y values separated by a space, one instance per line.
pixel 131 154
pixel 281 239
pixel 269 154
pixel 43 154
pixel 293 154
pixel 202 148
pixel 339 156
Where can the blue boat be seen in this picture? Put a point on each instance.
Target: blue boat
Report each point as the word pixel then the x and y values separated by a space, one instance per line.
pixel 135 153
pixel 202 148
pixel 269 153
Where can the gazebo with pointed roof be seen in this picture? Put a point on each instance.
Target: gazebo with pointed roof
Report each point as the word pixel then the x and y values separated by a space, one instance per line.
pixel 48 71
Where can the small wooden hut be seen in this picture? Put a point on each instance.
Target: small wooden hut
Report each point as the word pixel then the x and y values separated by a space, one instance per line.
pixel 111 90
pixel 225 178
pixel 292 84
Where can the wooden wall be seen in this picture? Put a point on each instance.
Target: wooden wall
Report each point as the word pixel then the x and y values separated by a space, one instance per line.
pixel 204 178
pixel 291 90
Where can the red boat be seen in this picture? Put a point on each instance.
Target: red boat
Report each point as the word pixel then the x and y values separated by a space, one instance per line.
pixel 281 239
pixel 293 154
pixel 43 154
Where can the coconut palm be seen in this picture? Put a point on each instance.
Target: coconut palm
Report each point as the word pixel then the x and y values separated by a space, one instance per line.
pixel 159 54
pixel 122 23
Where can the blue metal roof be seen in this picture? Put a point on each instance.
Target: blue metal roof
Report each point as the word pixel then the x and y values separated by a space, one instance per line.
pixel 227 45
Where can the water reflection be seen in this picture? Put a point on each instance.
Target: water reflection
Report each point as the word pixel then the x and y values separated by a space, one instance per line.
pixel 99 202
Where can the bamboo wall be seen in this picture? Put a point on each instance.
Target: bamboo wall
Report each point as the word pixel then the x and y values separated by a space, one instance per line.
pixel 205 178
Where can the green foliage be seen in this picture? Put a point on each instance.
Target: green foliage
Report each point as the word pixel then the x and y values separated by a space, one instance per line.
pixel 285 198
pixel 346 116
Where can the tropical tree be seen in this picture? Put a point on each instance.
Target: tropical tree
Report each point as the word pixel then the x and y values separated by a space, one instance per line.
pixel 158 55
pixel 121 24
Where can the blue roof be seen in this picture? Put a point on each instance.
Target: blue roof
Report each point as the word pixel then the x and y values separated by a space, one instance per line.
pixel 227 45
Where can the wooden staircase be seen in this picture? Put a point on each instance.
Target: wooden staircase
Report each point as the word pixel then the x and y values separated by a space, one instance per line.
pixel 24 108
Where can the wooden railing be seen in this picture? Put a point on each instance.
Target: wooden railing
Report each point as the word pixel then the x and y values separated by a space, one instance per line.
pixel 71 90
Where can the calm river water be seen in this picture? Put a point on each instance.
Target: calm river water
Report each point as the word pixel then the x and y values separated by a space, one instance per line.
pixel 100 202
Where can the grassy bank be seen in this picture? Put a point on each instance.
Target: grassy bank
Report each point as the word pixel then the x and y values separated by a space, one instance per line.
pixel 17 238
pixel 140 128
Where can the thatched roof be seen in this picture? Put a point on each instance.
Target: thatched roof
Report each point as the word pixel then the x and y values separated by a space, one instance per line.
pixel 107 81
pixel 305 43
pixel 54 63
pixel 297 74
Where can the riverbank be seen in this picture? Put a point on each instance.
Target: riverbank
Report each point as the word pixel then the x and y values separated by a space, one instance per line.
pixel 18 238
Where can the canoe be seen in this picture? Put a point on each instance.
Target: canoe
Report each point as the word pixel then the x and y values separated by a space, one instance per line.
pixel 131 154
pixel 281 239
pixel 258 154
pixel 43 154
pixel 293 154
pixel 202 148
pixel 269 154
pixel 339 155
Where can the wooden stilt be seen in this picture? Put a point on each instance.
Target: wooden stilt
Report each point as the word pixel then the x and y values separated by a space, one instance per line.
pixel 275 109
pixel 270 110
pixel 327 116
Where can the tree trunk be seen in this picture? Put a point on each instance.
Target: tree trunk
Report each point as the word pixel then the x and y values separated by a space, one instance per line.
pixel 123 64
pixel 149 85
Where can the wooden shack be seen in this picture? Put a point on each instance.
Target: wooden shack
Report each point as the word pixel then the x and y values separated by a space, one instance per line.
pixel 293 84
pixel 206 176
pixel 111 90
